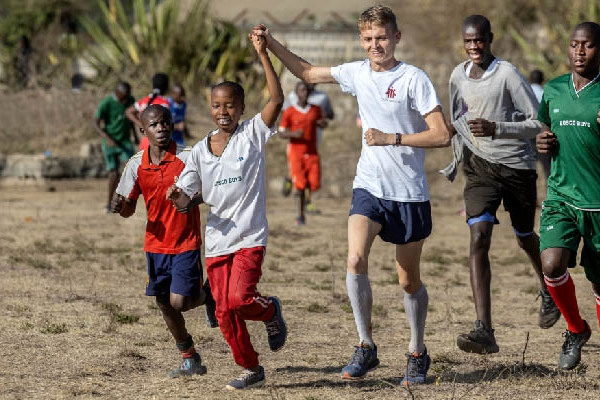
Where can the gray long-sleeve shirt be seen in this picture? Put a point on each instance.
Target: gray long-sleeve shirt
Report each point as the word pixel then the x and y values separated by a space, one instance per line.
pixel 504 97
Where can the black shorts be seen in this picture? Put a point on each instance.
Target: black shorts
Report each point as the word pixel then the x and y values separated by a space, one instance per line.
pixel 488 184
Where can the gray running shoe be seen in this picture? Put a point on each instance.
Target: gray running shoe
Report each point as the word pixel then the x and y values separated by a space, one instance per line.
pixel 248 380
pixel 363 360
pixel 189 366
pixel 549 312
pixel 417 366
pixel 570 354
pixel 276 327
pixel 480 340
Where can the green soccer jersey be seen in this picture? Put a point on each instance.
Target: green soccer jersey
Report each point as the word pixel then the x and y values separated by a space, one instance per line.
pixel 112 112
pixel 575 171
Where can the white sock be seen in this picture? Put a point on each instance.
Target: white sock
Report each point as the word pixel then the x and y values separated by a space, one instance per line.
pixel 415 306
pixel 361 299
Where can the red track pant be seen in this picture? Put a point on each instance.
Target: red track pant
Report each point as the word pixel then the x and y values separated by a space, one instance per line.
pixel 233 279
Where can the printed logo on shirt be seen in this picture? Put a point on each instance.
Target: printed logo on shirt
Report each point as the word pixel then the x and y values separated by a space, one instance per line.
pixel 549 228
pixel 240 159
pixel 572 122
pixel 555 110
pixel 391 92
pixel 227 181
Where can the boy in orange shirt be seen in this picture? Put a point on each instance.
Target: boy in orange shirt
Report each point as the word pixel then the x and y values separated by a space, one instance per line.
pixel 299 124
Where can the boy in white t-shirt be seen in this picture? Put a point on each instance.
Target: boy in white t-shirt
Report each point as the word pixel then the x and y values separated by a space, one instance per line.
pixel 228 169
pixel 400 115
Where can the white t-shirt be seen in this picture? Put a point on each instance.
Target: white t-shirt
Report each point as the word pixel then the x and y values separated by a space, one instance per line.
pixel 233 185
pixel 392 101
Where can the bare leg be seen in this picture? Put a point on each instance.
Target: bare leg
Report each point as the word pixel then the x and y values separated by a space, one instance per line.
pixel 480 270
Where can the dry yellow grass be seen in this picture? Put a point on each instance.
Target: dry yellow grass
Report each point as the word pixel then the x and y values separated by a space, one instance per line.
pixel 74 321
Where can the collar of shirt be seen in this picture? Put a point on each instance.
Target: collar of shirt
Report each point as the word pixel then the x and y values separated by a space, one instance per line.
pixel 169 157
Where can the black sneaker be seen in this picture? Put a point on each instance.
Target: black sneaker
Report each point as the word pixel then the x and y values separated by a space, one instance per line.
pixel 480 340
pixel 570 354
pixel 417 366
pixel 276 327
pixel 248 379
pixel 549 312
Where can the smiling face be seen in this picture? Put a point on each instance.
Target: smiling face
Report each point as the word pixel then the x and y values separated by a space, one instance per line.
pixel 157 126
pixel 379 42
pixel 584 56
pixel 477 43
pixel 226 108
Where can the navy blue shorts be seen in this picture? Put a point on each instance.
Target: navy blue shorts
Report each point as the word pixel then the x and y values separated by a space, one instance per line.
pixel 174 273
pixel 401 222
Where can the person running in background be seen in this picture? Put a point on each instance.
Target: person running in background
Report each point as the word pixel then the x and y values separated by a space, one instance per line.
pixel 115 130
pixel 160 85
pixel 321 100
pixel 499 165
pixel 228 168
pixel 299 124
pixel 570 117
pixel 173 239
pixel 400 115
pixel 178 107
pixel 536 79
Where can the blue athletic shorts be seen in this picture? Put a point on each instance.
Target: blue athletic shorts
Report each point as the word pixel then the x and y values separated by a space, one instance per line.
pixel 401 222
pixel 174 273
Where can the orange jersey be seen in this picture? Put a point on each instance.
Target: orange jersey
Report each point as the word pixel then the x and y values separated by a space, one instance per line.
pixel 295 118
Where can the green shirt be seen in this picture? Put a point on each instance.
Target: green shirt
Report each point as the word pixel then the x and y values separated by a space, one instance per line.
pixel 112 112
pixel 575 169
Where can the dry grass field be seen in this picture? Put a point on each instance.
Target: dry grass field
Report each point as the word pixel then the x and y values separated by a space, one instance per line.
pixel 74 322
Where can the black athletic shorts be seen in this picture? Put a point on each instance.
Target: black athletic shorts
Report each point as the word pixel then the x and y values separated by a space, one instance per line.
pixel 488 184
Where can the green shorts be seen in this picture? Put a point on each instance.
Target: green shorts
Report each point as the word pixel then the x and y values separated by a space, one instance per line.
pixel 563 226
pixel 113 156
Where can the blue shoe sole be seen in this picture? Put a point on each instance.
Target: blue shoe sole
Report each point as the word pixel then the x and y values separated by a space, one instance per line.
pixel 349 377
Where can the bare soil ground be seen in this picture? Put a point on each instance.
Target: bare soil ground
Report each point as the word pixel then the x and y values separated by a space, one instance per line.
pixel 74 321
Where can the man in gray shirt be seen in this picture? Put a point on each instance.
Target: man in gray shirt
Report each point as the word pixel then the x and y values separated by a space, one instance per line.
pixel 493 112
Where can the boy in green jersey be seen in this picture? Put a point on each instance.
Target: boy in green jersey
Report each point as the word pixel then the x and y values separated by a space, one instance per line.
pixel 571 135
pixel 116 132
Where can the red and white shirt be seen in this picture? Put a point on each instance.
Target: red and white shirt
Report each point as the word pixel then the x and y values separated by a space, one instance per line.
pixel 167 230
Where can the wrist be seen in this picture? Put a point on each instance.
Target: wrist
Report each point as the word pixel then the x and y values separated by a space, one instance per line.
pixel 398 139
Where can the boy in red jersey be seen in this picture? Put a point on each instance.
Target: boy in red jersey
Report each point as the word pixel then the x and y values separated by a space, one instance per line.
pixel 173 239
pixel 299 124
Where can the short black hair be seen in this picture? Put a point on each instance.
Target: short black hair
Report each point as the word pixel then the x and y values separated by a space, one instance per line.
pixel 478 21
pixel 536 76
pixel 238 90
pixel 153 109
pixel 160 82
pixel 303 83
pixel 180 88
pixel 591 27
pixel 123 87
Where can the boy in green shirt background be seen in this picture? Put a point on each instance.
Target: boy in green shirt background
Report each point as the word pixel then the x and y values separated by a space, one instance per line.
pixel 115 130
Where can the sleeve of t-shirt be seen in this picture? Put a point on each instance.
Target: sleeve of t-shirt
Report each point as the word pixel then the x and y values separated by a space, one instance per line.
pixel 285 122
pixel 344 74
pixel 101 108
pixel 526 104
pixel 421 93
pixel 128 186
pixel 544 110
pixel 190 179
pixel 258 132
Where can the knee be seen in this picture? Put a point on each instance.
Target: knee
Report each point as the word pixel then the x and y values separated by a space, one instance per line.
pixel 163 303
pixel 178 304
pixel 410 287
pixel 552 265
pixel 237 301
pixel 357 264
pixel 480 240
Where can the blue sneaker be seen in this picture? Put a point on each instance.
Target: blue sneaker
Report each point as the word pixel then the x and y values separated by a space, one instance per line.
pixel 247 380
pixel 276 327
pixel 416 368
pixel 362 361
pixel 189 366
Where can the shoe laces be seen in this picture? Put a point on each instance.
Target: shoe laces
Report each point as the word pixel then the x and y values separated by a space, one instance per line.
pixel 415 364
pixel 246 375
pixel 547 300
pixel 569 340
pixel 359 355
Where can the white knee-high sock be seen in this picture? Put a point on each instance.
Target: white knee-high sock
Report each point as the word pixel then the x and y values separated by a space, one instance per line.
pixel 415 306
pixel 361 299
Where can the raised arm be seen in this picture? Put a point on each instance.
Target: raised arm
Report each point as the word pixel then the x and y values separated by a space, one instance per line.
pixel 436 134
pixel 271 110
pixel 301 68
